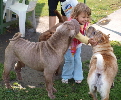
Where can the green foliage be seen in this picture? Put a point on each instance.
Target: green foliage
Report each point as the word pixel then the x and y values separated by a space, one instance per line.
pixel 115 43
pixel 1 71
pixel 12 73
pixel 69 91
pixel 102 8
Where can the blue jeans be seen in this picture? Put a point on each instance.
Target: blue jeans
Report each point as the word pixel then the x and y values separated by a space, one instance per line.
pixel 73 65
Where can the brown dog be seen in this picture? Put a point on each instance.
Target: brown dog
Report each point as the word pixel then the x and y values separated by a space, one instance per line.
pixel 43 56
pixel 44 37
pixel 47 34
pixel 103 65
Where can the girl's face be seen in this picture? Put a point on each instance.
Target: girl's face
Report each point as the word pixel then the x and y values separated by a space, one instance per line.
pixel 83 18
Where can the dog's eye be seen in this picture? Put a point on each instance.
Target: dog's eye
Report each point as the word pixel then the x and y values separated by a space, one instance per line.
pixel 93 33
pixel 51 32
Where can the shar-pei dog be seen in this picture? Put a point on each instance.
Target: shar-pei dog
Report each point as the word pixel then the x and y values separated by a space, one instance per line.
pixel 43 56
pixel 103 65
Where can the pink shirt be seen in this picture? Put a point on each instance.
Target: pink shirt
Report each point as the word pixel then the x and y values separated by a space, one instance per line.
pixel 75 41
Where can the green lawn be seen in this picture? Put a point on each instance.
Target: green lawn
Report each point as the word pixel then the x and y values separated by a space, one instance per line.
pixel 100 8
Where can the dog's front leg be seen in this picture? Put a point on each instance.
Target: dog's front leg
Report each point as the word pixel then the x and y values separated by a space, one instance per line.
pixel 49 84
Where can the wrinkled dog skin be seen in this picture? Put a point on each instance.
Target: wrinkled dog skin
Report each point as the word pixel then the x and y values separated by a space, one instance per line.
pixel 103 65
pixel 43 56
pixel 45 36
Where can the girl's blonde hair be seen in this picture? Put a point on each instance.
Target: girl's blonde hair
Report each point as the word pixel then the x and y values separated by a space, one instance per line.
pixel 80 8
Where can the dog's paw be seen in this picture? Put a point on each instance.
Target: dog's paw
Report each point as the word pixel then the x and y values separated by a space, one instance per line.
pixel 52 96
pixel 8 86
pixel 54 90
pixel 89 94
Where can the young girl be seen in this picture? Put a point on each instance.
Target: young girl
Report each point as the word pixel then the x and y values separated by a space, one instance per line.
pixel 73 65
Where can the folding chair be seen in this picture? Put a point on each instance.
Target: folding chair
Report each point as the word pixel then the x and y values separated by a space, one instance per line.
pixel 20 9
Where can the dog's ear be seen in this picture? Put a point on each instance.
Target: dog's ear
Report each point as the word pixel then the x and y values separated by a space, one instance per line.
pixel 105 38
pixel 69 26
pixel 99 36
pixel 52 32
pixel 108 35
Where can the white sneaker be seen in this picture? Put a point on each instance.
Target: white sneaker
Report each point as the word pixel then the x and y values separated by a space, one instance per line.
pixel 65 81
pixel 78 81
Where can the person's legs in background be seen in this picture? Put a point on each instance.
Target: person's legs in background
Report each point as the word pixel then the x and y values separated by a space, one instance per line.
pixel 52 4
pixel 52 21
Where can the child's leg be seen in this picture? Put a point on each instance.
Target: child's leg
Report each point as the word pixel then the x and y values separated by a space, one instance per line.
pixel 68 68
pixel 78 72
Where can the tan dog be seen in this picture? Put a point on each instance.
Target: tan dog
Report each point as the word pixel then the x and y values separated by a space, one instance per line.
pixel 43 56
pixel 103 65
pixel 47 34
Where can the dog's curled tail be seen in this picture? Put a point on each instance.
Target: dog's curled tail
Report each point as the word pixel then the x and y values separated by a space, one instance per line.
pixel 16 36
pixel 61 20
pixel 100 62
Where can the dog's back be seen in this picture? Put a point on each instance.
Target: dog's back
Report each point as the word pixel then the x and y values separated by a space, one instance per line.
pixel 103 68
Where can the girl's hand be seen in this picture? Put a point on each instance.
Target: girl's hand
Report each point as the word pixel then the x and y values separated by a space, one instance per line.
pixel 92 42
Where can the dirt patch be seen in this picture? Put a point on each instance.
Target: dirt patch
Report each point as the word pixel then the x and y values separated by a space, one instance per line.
pixel 32 77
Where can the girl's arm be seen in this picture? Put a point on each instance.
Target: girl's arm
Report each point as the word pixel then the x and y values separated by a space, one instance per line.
pixel 85 39
pixel 82 38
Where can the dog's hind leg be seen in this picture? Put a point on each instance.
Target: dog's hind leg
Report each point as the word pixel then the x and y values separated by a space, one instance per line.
pixel 9 62
pixel 6 78
pixel 93 93
pixel 49 83
pixel 104 92
pixel 105 96
pixel 6 72
pixel 18 67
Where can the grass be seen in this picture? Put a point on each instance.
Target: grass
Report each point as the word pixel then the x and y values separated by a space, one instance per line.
pixel 69 91
pixel 100 8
